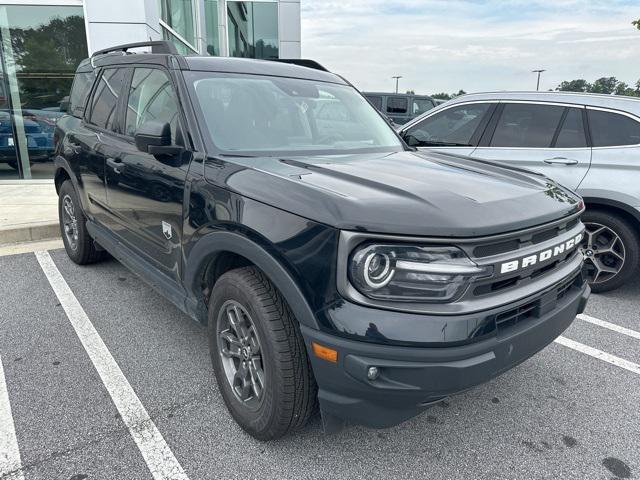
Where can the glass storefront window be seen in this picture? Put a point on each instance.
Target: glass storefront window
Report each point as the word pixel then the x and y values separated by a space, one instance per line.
pixel 41 46
pixel 178 14
pixel 211 26
pixel 253 29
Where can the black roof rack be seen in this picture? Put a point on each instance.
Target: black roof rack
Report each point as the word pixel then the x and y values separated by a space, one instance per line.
pixel 303 62
pixel 158 46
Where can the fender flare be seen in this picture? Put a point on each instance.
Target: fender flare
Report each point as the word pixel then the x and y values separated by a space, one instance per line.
pixel 61 163
pixel 207 247
pixel 591 199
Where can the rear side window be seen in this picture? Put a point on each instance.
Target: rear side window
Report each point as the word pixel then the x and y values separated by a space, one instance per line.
pixel 572 132
pixel 105 98
pixel 376 101
pixel 397 104
pixel 527 125
pixel 79 92
pixel 611 129
pixel 453 126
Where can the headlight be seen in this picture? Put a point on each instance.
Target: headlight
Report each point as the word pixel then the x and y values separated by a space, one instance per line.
pixel 407 273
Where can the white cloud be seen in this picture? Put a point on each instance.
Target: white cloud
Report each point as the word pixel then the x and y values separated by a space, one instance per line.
pixel 475 45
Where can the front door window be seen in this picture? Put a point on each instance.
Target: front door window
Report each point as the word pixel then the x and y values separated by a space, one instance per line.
pixel 451 127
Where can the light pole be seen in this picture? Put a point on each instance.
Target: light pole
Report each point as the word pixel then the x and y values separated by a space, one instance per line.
pixel 538 72
pixel 397 77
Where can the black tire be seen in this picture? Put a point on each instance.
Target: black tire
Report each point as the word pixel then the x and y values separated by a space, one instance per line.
pixel 81 250
pixel 627 247
pixel 289 396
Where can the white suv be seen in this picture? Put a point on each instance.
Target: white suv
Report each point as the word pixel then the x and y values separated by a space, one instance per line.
pixel 589 143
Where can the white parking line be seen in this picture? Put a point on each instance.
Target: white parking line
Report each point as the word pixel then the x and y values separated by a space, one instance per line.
pixel 155 451
pixel 610 326
pixel 599 354
pixel 10 464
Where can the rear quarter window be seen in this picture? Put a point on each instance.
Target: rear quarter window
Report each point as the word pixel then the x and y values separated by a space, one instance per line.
pixel 610 129
pixel 82 83
pixel 397 104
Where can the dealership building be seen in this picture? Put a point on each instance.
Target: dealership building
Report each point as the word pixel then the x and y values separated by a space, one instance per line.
pixel 42 42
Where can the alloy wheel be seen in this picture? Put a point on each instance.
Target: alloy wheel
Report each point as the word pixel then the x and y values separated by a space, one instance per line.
pixel 241 354
pixel 603 251
pixel 69 222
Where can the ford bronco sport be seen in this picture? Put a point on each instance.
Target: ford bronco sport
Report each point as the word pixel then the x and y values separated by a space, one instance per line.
pixel 332 264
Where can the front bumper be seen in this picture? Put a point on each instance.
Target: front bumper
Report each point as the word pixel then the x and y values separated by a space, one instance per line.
pixel 412 378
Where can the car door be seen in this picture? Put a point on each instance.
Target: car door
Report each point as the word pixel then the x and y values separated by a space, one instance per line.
pixel 93 141
pixel 615 171
pixel 145 195
pixel 543 137
pixel 456 129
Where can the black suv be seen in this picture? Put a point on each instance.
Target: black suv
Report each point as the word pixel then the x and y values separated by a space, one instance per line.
pixel 329 260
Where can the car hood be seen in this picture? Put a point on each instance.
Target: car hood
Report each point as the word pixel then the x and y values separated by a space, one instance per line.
pixel 409 193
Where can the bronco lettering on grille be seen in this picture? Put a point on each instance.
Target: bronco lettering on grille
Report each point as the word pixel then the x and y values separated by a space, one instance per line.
pixel 542 256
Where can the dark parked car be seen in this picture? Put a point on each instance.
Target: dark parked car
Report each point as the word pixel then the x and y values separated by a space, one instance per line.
pixel 38 127
pixel 400 107
pixel 589 143
pixel 330 261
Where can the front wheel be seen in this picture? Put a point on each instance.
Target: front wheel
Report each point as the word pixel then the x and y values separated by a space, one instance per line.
pixel 259 356
pixel 611 248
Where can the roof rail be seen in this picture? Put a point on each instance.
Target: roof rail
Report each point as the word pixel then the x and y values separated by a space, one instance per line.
pixel 158 46
pixel 303 62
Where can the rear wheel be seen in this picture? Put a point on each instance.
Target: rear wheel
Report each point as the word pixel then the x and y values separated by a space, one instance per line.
pixel 77 241
pixel 258 355
pixel 611 248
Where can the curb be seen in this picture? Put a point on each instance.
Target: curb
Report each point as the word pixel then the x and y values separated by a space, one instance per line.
pixel 29 232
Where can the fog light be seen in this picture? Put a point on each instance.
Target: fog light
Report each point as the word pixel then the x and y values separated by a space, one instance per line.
pixel 373 373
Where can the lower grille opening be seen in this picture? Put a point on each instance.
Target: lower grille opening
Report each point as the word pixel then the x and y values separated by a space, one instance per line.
pixel 529 311
pixel 516 315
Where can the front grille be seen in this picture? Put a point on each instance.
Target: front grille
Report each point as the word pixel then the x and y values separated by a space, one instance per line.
pixel 522 241
pixel 503 284
pixel 531 310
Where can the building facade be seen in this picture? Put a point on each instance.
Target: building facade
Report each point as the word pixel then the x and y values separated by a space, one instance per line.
pixel 42 42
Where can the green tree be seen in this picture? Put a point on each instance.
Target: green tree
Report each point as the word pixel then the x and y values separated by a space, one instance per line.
pixel 46 58
pixel 441 96
pixel 636 24
pixel 624 89
pixel 606 85
pixel 579 85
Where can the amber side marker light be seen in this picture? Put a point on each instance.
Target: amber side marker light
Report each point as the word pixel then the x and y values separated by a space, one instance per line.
pixel 325 353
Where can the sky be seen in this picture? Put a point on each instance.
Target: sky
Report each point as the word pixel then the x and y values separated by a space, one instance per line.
pixel 474 45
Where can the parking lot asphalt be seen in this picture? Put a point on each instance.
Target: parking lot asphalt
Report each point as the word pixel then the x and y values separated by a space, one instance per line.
pixel 562 414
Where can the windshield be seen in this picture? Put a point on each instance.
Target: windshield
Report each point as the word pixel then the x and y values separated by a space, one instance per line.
pixel 261 115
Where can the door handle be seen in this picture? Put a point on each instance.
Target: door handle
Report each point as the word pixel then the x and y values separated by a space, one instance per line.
pixel 561 161
pixel 116 164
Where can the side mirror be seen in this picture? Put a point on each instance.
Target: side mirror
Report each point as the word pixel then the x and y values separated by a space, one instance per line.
pixel 64 104
pixel 152 134
pixel 155 138
pixel 410 140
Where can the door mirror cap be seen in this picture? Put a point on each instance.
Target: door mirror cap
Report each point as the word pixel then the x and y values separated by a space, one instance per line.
pixel 152 134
